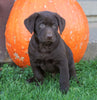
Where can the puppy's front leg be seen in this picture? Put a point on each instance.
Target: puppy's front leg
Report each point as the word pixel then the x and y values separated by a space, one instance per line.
pixel 38 74
pixel 64 76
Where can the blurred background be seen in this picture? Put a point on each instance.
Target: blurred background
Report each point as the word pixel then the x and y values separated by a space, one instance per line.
pixel 90 9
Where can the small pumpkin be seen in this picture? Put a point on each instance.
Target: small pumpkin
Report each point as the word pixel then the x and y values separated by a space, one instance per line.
pixel 76 32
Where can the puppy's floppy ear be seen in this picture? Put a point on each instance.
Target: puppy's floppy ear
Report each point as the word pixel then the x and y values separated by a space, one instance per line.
pixel 30 21
pixel 61 23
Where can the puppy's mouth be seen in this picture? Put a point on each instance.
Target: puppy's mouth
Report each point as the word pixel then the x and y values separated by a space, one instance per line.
pixel 50 41
pixel 44 46
pixel 47 43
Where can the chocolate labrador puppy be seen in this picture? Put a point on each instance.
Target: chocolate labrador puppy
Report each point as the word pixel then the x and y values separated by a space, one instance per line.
pixel 47 51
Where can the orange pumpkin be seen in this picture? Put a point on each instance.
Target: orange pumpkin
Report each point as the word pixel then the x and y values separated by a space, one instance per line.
pixel 76 32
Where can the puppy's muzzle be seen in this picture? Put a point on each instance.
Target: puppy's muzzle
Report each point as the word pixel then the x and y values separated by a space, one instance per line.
pixel 50 36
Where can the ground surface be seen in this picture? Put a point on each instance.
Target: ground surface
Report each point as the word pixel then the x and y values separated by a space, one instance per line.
pixel 13 84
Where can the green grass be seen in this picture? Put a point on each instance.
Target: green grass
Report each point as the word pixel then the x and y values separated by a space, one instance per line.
pixel 13 84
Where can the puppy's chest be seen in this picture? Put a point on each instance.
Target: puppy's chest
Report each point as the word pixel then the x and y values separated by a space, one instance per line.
pixel 48 65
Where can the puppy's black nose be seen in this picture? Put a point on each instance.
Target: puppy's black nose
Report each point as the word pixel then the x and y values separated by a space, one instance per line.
pixel 49 36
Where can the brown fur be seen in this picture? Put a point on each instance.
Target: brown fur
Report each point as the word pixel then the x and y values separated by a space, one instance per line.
pixel 47 51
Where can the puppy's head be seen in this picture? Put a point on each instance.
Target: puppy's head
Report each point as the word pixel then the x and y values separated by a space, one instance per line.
pixel 45 26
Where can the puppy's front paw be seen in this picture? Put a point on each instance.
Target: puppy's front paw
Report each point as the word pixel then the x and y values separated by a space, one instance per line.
pixel 31 80
pixel 37 82
pixel 64 88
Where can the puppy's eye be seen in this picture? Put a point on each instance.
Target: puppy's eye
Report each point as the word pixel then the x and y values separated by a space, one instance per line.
pixel 54 26
pixel 42 25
